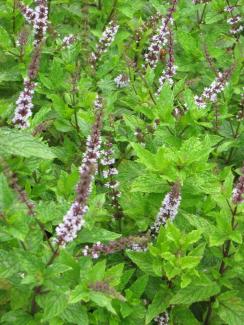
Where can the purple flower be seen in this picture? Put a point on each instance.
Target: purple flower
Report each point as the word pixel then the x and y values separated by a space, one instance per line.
pixel 105 41
pixel 229 9
pixel 68 41
pixel 210 93
pixel 238 191
pixel 150 23
pixel 74 219
pixel 162 319
pixel 160 39
pixel 40 21
pixel 134 243
pixel 170 70
pixel 168 210
pixel 234 20
pixel 24 105
pixel 28 13
pixel 122 81
pixel 109 173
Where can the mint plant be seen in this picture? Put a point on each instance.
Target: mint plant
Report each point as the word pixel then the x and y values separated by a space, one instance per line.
pixel 121 162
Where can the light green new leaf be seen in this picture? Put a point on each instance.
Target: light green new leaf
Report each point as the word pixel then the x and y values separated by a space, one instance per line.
pixel 103 301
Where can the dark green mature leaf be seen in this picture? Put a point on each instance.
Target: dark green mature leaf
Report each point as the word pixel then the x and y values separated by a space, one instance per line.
pixel 53 304
pixel 194 293
pixel 76 314
pixel 159 304
pixel 22 143
pixel 231 308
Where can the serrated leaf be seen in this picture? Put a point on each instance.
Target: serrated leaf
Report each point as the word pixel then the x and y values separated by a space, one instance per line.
pixel 21 143
pixel 145 262
pixel 76 314
pixel 231 309
pixel 159 304
pixel 194 293
pixel 53 304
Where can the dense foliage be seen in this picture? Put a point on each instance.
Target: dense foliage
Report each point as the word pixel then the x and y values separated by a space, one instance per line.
pixel 146 97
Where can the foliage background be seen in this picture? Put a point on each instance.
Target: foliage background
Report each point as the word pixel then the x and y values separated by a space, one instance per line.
pixel 203 150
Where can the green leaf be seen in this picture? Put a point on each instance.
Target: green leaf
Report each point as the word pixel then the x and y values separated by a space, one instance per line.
pixel 159 304
pixel 53 303
pixel 145 156
pixel 6 195
pixel 76 314
pixel 96 234
pixel 103 301
pixel 21 143
pixel 138 287
pixel 114 274
pixel 194 293
pixel 145 262
pixel 231 308
pixel 97 273
pixel 5 40
pixel 17 317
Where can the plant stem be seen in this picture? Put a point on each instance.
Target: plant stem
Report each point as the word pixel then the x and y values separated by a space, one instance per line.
pixel 202 15
pixel 14 16
pixel 37 289
pixel 110 16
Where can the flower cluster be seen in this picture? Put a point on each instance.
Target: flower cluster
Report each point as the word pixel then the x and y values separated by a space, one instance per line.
pixel 105 41
pixel 40 21
pixel 240 114
pixel 210 93
pixel 139 135
pixel 160 39
pixel 28 13
pixel 122 81
pixel 236 27
pixel 109 173
pixel 24 105
pixel 132 242
pixel 162 319
pixel 229 9
pixel 74 219
pixel 238 191
pixel 170 70
pixel 22 40
pixel 150 23
pixel 168 210
pixel 68 41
